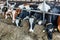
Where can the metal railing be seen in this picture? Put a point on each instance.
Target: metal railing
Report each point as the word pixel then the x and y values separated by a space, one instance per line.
pixel 42 12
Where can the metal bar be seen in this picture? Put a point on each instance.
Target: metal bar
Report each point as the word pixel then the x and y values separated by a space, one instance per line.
pixel 45 12
pixel 42 12
pixel 7 3
pixel 53 13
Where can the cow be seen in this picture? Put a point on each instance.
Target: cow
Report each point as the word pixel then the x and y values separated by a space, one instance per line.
pixel 15 13
pixel 38 17
pixel 58 23
pixel 7 10
pixel 51 23
pixel 21 16
pixel 24 14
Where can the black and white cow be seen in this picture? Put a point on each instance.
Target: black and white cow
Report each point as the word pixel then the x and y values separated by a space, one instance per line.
pixel 33 16
pixel 51 23
pixel 8 10
pixel 24 14
pixel 38 16
pixel 21 16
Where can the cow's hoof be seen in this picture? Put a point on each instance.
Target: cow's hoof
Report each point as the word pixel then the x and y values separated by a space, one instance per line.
pixel 49 39
pixel 17 25
pixel 43 30
pixel 12 21
pixel 31 30
pixel 5 18
pixel 21 25
pixel 55 29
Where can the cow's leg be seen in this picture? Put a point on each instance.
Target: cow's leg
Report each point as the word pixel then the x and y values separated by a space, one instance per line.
pixel 17 22
pixel 4 13
pixel 13 21
pixel 13 16
pixel 31 27
pixel 6 16
pixel 20 23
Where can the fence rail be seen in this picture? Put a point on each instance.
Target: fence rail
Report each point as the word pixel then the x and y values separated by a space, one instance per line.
pixel 42 12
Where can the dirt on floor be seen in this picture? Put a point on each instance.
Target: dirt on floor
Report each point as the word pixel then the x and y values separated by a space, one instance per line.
pixel 9 31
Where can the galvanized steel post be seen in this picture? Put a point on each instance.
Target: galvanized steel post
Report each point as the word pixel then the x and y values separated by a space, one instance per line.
pixel 44 11
pixel 7 3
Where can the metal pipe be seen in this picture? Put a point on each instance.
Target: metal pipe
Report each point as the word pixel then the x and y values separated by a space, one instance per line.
pixel 54 3
pixel 44 10
pixel 7 3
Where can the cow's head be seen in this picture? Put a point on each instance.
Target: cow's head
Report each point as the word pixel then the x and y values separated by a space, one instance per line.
pixel 18 11
pixel 49 27
pixel 15 14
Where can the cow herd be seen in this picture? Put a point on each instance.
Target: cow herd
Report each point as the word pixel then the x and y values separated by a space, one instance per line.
pixel 18 14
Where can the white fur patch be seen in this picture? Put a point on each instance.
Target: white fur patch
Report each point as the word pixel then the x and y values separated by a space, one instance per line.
pixel 31 20
pixel 26 18
pixel 27 7
pixel 51 30
pixel 13 21
pixel 39 22
pixel 45 8
pixel 13 14
pixel 43 30
pixel 6 16
pixel 8 11
pixel 21 6
pixel 31 30
pixel 17 21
